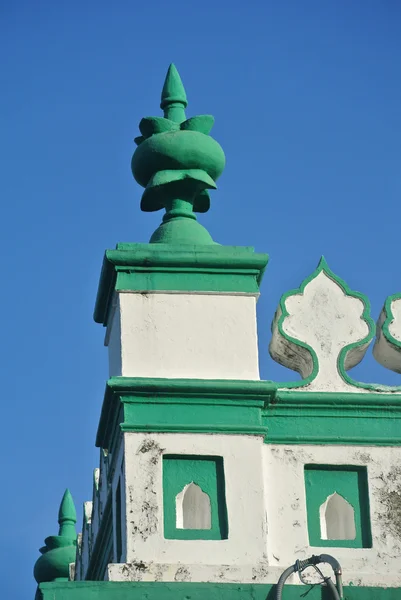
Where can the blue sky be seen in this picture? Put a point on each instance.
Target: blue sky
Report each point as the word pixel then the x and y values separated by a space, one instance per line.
pixel 306 97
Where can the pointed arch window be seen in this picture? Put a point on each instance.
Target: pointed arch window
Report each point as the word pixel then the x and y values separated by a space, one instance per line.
pixel 194 502
pixel 337 519
pixel 192 508
pixel 337 504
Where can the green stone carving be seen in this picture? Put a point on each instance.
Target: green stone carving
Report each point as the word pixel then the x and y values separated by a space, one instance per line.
pixel 177 162
pixel 59 550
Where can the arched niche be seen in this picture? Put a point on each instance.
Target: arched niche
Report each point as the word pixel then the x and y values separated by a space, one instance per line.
pixel 193 509
pixel 337 519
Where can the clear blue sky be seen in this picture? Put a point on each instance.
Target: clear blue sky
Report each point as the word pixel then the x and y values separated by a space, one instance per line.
pixel 306 97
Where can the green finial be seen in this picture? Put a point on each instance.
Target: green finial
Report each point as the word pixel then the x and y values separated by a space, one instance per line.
pixel 67 515
pixel 174 99
pixel 59 550
pixel 177 162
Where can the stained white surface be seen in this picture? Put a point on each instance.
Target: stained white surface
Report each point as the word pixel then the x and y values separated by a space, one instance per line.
pixel 205 336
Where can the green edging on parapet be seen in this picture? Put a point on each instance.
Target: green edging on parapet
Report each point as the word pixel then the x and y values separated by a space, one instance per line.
pixel 165 267
pixel 323 266
pixel 109 590
pixel 182 405
pixel 333 418
pixel 389 319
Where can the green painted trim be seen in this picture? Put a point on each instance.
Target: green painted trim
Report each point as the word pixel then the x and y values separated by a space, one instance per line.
pixel 103 548
pixel 107 590
pixel 182 405
pixel 165 267
pixel 333 418
pixel 389 319
pixel 207 472
pixel 323 266
pixel 247 408
pixel 350 482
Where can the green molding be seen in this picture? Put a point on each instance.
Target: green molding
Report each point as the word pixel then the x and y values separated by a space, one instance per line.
pixel 110 590
pixel 383 329
pixel 164 267
pixel 208 473
pixel 323 266
pixel 389 319
pixel 295 417
pixel 247 408
pixel 182 405
pixel 351 483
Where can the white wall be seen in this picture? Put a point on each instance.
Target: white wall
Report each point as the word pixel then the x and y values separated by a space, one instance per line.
pixel 266 505
pixel 182 335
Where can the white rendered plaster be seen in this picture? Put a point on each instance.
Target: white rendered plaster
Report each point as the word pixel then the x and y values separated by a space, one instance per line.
pixel 287 519
pixel 242 456
pixel 183 335
pixel 388 351
pixel 266 536
pixel 326 319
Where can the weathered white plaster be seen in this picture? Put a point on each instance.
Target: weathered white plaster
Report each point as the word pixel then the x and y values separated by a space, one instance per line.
pixel 179 335
pixel 387 349
pixel 326 319
pixel 287 519
pixel 242 455
pixel 266 506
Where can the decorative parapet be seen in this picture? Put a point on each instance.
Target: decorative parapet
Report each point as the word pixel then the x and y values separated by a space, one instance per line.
pixel 323 329
pixel 387 348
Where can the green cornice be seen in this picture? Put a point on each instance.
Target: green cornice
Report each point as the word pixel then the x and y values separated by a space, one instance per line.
pixel 182 405
pixel 107 590
pixel 247 408
pixel 365 419
pixel 147 268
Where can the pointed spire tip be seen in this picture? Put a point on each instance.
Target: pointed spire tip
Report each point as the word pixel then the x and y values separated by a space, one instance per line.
pixel 173 91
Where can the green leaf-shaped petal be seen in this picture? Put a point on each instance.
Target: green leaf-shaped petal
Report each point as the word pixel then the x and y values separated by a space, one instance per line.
pixel 138 140
pixel 152 125
pixel 201 123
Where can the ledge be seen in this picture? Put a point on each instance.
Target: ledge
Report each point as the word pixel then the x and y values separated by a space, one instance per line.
pixel 182 405
pixel 145 268
pixel 107 590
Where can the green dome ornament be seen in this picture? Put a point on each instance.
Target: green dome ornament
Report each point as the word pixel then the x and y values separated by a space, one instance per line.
pixel 59 550
pixel 177 162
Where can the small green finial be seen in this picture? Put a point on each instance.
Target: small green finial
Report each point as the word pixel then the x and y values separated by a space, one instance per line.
pixel 174 99
pixel 177 162
pixel 67 515
pixel 59 550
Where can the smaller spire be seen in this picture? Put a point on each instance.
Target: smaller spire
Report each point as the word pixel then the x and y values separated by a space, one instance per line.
pixel 59 550
pixel 67 515
pixel 174 99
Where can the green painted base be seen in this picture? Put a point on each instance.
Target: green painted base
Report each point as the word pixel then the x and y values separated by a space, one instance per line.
pixel 181 231
pixel 107 590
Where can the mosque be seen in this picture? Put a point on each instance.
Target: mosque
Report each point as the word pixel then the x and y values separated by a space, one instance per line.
pixel 213 484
